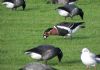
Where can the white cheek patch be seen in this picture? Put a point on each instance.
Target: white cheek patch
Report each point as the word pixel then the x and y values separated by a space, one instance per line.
pixel 63 12
pixel 8 4
pixel 36 56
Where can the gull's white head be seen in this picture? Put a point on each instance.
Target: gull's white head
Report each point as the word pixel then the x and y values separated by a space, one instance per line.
pixel 85 50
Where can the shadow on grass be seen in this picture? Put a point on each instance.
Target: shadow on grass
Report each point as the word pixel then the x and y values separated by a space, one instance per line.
pixel 74 38
pixel 1 40
pixel 28 9
pixel 71 62
pixel 80 37
pixel 3 51
pixel 65 63
pixel 53 64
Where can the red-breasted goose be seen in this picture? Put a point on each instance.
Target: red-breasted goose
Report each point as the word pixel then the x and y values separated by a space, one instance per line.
pixel 63 29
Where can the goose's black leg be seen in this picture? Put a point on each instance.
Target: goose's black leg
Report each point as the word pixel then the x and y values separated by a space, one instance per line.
pixel 71 17
pixel 71 35
pixel 23 6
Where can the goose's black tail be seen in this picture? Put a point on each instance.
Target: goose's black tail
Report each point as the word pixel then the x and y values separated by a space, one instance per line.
pixel 81 24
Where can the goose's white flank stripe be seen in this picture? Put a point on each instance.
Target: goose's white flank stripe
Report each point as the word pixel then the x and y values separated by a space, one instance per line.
pixel 8 4
pixel 55 27
pixel 63 12
pixel 66 28
pixel 69 30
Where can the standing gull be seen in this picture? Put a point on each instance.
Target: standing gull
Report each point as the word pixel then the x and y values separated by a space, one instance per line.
pixel 89 59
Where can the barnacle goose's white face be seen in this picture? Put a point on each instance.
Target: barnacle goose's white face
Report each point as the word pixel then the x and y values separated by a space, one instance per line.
pixel 63 12
pixel 8 4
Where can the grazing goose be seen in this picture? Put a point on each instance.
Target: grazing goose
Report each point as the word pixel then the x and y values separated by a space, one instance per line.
pixel 70 10
pixel 63 29
pixel 37 66
pixel 45 52
pixel 89 59
pixel 13 4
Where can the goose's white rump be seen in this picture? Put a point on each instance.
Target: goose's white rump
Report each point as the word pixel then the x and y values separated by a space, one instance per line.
pixel 8 4
pixel 63 12
pixel 34 55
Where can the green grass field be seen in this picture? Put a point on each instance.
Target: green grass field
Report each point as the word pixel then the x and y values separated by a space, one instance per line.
pixel 22 30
